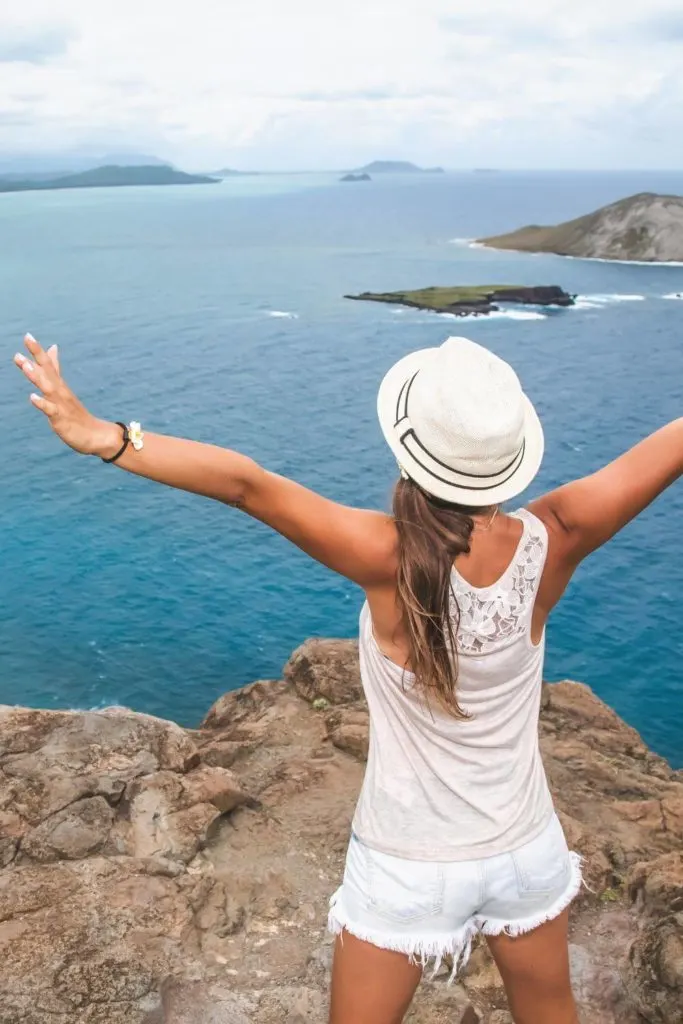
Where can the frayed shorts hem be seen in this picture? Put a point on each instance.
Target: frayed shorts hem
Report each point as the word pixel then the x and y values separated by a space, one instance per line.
pixel 429 949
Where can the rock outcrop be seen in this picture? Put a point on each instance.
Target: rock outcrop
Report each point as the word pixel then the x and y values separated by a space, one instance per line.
pixel 154 875
pixel 644 227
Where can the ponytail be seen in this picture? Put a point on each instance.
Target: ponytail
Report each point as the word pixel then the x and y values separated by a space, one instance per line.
pixel 431 534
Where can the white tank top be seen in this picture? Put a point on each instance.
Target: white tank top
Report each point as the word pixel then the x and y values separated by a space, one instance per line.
pixel 442 788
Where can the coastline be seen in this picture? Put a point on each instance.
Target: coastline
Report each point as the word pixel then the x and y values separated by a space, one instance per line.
pixel 472 243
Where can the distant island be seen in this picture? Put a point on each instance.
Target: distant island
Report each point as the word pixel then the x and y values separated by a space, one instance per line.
pixel 112 176
pixel 645 227
pixel 396 167
pixel 57 164
pixel 356 177
pixel 468 300
pixel 228 172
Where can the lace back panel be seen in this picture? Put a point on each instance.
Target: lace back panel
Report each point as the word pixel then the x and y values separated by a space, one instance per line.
pixel 492 617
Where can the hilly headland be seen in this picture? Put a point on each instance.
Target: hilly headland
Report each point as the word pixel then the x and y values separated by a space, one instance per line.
pixel 646 228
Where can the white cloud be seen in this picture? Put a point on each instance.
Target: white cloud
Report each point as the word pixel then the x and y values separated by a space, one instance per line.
pixel 303 83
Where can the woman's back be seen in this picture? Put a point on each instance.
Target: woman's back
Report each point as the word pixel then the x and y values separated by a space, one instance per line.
pixel 447 788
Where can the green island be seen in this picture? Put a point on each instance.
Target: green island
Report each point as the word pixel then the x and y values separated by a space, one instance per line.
pixel 471 300
pixel 111 176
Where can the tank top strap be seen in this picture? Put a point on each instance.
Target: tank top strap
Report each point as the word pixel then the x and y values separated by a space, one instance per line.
pixel 531 555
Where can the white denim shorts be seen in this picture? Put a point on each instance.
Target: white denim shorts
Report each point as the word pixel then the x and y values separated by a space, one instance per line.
pixel 428 910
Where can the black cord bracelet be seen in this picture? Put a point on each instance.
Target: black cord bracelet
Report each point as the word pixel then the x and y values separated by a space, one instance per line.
pixel 126 442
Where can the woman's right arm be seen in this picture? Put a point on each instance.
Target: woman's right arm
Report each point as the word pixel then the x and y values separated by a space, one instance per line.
pixel 357 543
pixel 589 511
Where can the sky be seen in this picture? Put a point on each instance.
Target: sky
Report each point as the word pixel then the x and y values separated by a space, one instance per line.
pixel 315 84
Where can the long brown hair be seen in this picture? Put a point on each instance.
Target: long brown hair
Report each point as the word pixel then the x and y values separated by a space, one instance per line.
pixel 432 533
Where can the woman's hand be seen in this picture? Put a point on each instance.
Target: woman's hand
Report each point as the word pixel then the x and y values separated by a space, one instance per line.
pixel 68 417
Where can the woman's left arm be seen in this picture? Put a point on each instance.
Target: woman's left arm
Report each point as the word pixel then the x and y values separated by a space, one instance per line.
pixel 359 544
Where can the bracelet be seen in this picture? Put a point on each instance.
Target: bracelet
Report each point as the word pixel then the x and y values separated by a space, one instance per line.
pixel 132 434
pixel 126 442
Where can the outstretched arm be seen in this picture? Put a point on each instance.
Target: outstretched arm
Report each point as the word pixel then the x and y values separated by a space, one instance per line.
pixel 359 544
pixel 589 511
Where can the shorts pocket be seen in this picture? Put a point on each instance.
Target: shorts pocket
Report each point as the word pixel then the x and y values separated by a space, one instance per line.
pixel 403 891
pixel 543 866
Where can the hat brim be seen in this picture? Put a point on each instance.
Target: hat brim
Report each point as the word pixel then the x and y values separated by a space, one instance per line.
pixel 387 400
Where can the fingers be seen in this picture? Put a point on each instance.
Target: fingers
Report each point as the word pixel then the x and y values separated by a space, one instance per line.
pixel 37 351
pixel 35 374
pixel 47 364
pixel 49 408
pixel 53 355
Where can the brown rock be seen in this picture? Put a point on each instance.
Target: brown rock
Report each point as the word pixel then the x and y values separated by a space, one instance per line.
pixel 195 1002
pixel 223 753
pixel 117 875
pixel 76 832
pixel 249 702
pixel 326 668
pixel 172 816
pixel 217 911
pixel 672 814
pixel 349 730
pixel 655 982
pixel 657 885
pixel 216 786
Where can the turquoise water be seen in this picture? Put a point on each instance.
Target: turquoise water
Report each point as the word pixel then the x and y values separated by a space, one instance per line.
pixel 218 313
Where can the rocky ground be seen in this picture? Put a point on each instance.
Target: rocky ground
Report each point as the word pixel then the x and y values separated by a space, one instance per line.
pixel 151 875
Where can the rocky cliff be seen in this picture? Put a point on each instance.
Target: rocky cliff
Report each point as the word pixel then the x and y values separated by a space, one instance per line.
pixel 153 875
pixel 645 227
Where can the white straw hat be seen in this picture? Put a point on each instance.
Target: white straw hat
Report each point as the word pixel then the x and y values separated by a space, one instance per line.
pixel 460 425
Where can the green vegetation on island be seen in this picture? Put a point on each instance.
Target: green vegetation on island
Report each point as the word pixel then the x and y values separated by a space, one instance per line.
pixel 356 177
pixel 112 176
pixel 645 227
pixel 468 300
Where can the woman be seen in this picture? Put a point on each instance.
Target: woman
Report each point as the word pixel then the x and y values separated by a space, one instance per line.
pixel 455 831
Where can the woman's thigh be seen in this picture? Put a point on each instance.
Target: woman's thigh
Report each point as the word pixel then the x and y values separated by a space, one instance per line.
pixel 535 970
pixel 370 985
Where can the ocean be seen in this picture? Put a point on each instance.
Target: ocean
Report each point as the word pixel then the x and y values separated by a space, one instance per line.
pixel 217 312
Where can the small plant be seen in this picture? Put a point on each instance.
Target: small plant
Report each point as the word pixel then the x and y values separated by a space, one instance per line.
pixel 320 704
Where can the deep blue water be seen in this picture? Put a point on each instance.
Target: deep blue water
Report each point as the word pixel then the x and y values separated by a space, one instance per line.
pixel 115 590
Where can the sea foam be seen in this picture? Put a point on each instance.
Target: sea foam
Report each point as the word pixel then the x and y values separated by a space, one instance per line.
pixel 607 299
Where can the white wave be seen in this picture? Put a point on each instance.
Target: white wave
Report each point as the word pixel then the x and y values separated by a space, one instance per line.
pixel 629 263
pixel 674 295
pixel 464 242
pixel 426 316
pixel 282 314
pixel 606 299
pixel 583 259
pixel 497 314
pixel 517 314
pixel 584 304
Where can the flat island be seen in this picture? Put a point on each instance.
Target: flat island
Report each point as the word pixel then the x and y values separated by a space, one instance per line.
pixel 468 300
